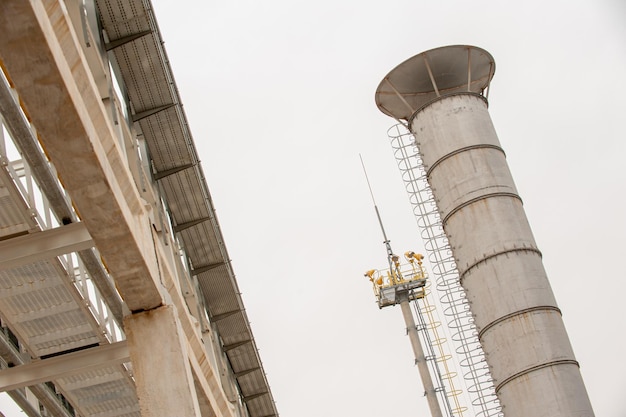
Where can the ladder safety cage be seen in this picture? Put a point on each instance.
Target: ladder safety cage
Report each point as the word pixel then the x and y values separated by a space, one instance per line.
pixel 451 295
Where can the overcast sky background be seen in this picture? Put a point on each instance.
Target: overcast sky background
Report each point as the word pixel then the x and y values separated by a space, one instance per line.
pixel 280 99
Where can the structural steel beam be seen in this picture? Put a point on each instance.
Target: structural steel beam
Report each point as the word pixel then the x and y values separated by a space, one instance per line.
pixel 172 171
pixel 147 113
pixel 22 401
pixel 126 39
pixel 246 372
pixel 235 345
pixel 203 268
pixel 62 366
pixel 180 227
pixel 44 394
pixel 44 245
pixel 254 396
pixel 223 316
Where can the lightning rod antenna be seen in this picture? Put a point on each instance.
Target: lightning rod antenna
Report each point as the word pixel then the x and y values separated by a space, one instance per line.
pixel 380 222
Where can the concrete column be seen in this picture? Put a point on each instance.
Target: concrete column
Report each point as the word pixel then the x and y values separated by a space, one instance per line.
pixel 161 368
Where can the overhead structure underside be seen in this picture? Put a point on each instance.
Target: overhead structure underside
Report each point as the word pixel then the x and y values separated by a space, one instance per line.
pixel 45 308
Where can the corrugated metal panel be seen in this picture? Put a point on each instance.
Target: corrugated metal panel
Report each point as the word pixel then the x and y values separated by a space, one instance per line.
pixel 150 85
pixel 164 128
pixel 106 391
pixel 185 200
pixel 221 300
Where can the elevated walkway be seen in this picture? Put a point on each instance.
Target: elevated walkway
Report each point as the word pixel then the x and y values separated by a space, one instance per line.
pixel 106 221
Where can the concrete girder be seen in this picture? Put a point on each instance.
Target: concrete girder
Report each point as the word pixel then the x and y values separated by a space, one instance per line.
pixel 43 59
pixel 25 137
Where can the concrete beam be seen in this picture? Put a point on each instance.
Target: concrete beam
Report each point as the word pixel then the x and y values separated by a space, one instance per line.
pixel 25 138
pixel 44 245
pixel 44 61
pixel 62 366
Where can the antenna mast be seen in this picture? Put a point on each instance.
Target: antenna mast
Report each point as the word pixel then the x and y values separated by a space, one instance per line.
pixel 402 287
pixel 387 242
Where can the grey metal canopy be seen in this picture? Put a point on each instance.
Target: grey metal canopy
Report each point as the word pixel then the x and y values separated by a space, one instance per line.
pixel 432 74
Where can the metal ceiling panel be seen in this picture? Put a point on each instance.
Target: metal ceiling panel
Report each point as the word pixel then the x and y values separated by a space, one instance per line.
pixel 164 129
pixel 152 87
pixel 123 17
pixel 149 85
pixel 184 195
pixel 104 392
pixel 202 248
pixel 45 310
pixel 216 289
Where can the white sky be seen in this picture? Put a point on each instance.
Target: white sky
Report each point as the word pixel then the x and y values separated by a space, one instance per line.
pixel 280 99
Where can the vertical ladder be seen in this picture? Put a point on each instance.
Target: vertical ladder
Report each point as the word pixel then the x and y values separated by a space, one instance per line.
pixel 438 356
pixel 451 294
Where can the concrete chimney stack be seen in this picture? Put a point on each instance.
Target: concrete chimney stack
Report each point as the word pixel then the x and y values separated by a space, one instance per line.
pixel 441 94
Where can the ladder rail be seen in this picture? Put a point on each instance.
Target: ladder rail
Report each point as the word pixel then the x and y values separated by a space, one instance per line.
pixel 426 316
pixel 433 360
pixel 452 296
